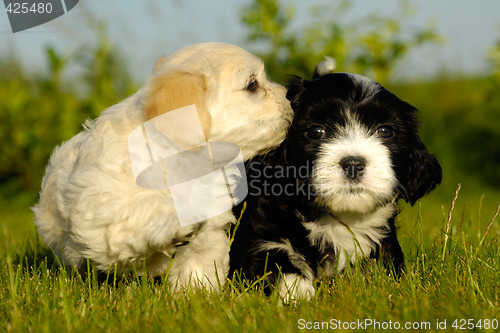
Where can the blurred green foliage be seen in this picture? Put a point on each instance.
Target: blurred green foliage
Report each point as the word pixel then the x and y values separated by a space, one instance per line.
pixel 40 110
pixel 495 59
pixel 461 124
pixel 371 45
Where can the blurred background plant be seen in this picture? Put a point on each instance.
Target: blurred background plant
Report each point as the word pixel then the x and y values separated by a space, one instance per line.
pixel 40 110
pixel 460 114
pixel 372 45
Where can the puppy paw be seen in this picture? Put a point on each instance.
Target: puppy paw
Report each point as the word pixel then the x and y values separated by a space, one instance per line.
pixel 203 263
pixel 186 234
pixel 196 279
pixel 293 288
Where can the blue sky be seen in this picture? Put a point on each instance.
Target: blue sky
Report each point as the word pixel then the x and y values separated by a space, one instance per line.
pixel 147 29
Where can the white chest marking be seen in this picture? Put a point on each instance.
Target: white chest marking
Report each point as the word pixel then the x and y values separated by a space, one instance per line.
pixel 351 237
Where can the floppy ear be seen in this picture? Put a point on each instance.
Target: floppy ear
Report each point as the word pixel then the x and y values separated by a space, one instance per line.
pixel 172 90
pixel 424 173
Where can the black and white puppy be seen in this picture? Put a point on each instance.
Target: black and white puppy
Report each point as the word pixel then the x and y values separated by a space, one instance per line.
pixel 326 197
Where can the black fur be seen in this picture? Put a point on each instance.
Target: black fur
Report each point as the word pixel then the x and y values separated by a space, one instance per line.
pixel 278 217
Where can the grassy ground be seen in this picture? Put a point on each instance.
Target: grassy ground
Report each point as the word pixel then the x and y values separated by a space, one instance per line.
pixel 457 280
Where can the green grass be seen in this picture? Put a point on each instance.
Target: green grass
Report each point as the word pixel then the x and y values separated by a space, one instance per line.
pixel 444 280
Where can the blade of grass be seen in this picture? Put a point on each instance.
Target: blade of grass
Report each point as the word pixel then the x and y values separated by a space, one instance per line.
pixel 12 287
pixel 421 231
pixel 486 232
pixel 448 222
pixel 233 233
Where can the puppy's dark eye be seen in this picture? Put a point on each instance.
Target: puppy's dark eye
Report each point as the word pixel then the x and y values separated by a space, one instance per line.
pixel 252 84
pixel 315 133
pixel 385 132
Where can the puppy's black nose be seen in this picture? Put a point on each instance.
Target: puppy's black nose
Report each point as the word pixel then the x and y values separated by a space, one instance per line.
pixel 353 166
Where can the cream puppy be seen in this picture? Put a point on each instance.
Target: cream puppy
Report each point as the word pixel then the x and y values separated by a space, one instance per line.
pixel 90 206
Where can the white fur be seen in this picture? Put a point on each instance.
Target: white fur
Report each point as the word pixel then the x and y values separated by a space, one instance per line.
pixel 326 66
pixel 340 194
pixel 293 287
pixel 296 259
pixel 90 206
pixel 351 236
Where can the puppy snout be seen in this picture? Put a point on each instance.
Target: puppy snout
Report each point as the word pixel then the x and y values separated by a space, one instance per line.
pixel 353 166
